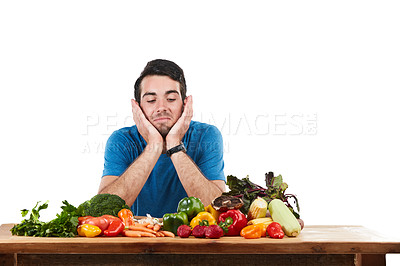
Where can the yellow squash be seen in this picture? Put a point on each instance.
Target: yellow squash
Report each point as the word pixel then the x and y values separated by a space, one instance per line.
pixel 266 221
pixel 258 209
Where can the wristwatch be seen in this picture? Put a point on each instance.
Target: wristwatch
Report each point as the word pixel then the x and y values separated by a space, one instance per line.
pixel 175 149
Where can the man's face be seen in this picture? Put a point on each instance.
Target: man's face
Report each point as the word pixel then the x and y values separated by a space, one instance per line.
pixel 161 102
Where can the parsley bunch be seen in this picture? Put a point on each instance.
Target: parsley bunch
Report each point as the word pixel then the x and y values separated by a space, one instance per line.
pixel 64 225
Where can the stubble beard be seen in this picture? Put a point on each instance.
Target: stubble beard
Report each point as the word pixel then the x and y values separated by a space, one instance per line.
pixel 164 130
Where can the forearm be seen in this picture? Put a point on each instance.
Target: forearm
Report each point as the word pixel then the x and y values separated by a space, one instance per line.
pixel 130 183
pixel 193 180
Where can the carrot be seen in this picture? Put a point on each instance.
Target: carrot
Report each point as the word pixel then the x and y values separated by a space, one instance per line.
pixel 140 225
pixel 142 229
pixel 147 234
pixel 167 233
pixel 132 233
pixel 156 227
pixel 159 234
pixel 150 226
pixel 144 224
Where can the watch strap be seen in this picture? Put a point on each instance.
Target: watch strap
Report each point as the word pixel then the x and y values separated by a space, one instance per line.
pixel 175 149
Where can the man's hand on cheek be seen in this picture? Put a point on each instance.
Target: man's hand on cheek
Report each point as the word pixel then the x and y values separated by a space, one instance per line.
pixel 177 132
pixel 145 128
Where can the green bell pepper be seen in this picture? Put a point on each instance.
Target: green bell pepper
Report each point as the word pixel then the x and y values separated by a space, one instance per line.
pixel 171 221
pixel 191 206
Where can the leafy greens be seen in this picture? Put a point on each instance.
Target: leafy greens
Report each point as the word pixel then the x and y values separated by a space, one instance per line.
pixel 249 191
pixel 64 225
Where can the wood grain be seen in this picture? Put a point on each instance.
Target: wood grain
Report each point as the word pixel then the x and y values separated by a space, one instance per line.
pixel 193 259
pixel 312 240
pixel 316 245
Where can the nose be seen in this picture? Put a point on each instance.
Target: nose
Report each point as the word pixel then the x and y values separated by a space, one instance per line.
pixel 161 106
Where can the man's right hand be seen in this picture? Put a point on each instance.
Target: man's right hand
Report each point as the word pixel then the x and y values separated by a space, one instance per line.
pixel 145 128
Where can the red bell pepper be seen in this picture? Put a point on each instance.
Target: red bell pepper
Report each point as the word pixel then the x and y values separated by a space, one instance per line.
pixel 235 223
pixel 115 228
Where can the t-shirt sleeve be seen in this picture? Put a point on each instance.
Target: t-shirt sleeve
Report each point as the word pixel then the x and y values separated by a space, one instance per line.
pixel 116 157
pixel 211 162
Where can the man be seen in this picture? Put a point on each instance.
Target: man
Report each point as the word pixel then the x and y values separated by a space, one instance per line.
pixel 165 156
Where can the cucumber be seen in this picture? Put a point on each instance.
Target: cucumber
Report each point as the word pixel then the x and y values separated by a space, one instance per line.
pixel 281 214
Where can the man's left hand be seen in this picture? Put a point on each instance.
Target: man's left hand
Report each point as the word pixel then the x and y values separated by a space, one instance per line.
pixel 177 132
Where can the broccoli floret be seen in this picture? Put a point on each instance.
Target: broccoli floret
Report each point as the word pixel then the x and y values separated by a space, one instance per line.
pixel 103 204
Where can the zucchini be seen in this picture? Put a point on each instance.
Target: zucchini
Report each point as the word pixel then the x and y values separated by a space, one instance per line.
pixel 281 214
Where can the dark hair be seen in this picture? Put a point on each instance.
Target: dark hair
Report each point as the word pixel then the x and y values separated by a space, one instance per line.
pixel 162 67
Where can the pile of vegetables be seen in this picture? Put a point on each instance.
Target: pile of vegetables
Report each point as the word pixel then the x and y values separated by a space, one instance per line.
pixel 224 217
pixel 66 222
pixel 123 225
pixel 247 210
pixel 103 215
pixel 247 191
pixel 192 218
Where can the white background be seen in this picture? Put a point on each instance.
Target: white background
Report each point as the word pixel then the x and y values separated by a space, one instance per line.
pixel 305 89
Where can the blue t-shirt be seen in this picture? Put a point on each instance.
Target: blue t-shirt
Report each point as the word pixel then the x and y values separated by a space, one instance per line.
pixel 163 189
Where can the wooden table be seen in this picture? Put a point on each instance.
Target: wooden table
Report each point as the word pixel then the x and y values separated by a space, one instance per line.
pixel 316 245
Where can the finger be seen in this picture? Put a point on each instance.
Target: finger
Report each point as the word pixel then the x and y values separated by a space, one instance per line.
pixel 186 117
pixel 188 111
pixel 139 117
pixel 136 107
pixel 136 112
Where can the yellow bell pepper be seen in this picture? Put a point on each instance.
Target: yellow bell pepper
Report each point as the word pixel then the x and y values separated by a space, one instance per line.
pixel 213 212
pixel 200 217
pixel 88 230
